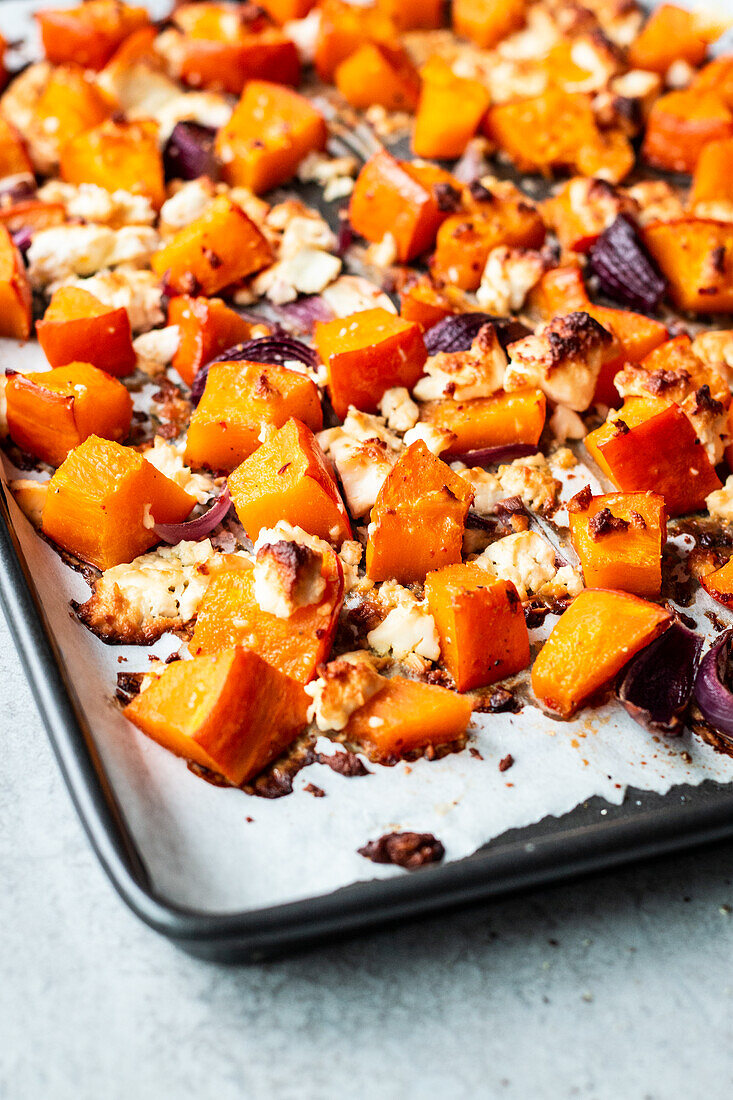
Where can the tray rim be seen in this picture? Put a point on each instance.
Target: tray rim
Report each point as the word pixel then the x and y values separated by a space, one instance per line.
pixel 255 934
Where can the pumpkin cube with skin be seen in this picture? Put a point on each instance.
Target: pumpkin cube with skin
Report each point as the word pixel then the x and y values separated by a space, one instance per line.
pixel 117 155
pixel 15 290
pixel 516 417
pixel 449 112
pixel 14 159
pixel 221 247
pixel 230 615
pixel 287 478
pixel 206 327
pixel 481 625
pixel 418 518
pixel 407 716
pixel 70 104
pixel 695 255
pixel 390 196
pixel 52 412
pixel 77 327
pixel 378 74
pixel 366 354
pixel 231 712
pixel 619 539
pixel 651 446
pixel 270 132
pixel 598 634
pixel 681 124
pixel 240 401
pixel 90 33
pixel 104 500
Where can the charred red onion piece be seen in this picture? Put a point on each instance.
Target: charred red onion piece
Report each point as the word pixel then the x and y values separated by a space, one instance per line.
pixel 189 152
pixel 193 529
pixel 490 456
pixel 657 685
pixel 268 349
pixel 18 188
pixel 713 697
pixel 625 270
pixel 457 333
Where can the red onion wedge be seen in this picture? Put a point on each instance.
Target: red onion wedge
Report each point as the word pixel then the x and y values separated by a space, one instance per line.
pixel 189 152
pixel 457 333
pixel 194 529
pixel 267 349
pixel 657 684
pixel 625 270
pixel 303 314
pixel 18 188
pixel 491 456
pixel 713 697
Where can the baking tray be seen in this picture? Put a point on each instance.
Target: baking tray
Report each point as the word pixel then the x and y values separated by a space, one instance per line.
pixel 594 836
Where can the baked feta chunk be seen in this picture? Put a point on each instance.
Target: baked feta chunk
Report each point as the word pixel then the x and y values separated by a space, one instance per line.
pixel 363 450
pixel 343 686
pixel 398 409
pixel 158 346
pixel 720 503
pixel 525 559
pixel 508 277
pixel 463 375
pixel 186 205
pixel 408 629
pixel 65 251
pixel 97 205
pixel 563 359
pixel 137 291
pixel 288 575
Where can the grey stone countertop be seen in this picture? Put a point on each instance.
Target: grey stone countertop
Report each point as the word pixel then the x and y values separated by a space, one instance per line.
pixel 614 988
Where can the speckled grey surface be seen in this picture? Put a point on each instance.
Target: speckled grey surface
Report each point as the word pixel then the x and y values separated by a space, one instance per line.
pixel 617 987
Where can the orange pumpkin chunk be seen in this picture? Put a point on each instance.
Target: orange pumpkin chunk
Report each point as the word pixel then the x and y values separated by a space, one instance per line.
pixel 230 615
pixel 405 716
pixel 670 34
pixel 271 130
pixel 449 113
pixel 414 15
pixel 488 21
pixel 343 28
pixel 90 33
pixel 480 622
pixel 378 74
pixel 418 518
pixel 695 256
pixel 425 302
pixel 619 539
pixel 516 417
pixel 681 124
pixel 719 584
pixel 650 445
pixel 597 635
pixel 713 179
pixel 54 411
pixel 390 196
pixel 367 354
pixel 219 248
pixel 546 131
pixel 103 501
pixel 70 104
pixel 14 159
pixel 239 400
pixel 231 712
pixel 117 155
pixel 284 11
pixel 77 327
pixel 206 327
pixel 15 290
pixel 287 478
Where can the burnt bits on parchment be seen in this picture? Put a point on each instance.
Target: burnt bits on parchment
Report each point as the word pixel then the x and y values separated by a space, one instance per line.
pixel 408 850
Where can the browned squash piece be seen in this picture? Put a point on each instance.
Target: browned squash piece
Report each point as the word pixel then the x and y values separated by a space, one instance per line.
pixel 619 539
pixel 418 518
pixel 597 635
pixel 480 622
pixel 287 478
pixel 230 712
pixel 77 327
pixel 681 124
pixel 14 159
pixel 695 255
pixel 449 112
pixel 671 34
pixel 343 28
pixel 406 716
pixel 117 155
pixel 15 290
pixel 719 584
pixel 713 179
pixel 516 417
pixel 544 132
pixel 89 33
pixel 381 75
pixel 488 21
pixel 206 327
pixel 70 104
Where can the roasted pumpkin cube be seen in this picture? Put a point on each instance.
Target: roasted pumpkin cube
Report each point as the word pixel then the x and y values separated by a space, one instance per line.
pixel 32 215
pixel 378 74
pixel 117 155
pixel 516 417
pixel 651 446
pixel 343 28
pixel 593 640
pixel 449 112
pixel 287 478
pixel 425 302
pixel 418 518
pixel 90 33
pixel 406 716
pixel 51 412
pixel 619 539
pixel 671 34
pixel 719 584
pixel 285 11
pixel 488 21
pixel 77 327
pixel 390 197
pixel 14 159
pixel 544 132
pixel 239 401
pixel 206 327
pixel 230 615
pixel 414 15
pixel 695 255
pixel 681 124
pixel 15 290
pixel 231 712
pixel 713 179
pixel 480 622
pixel 270 132
pixel 367 354
pixel 104 500
pixel 220 247
pixel 70 104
